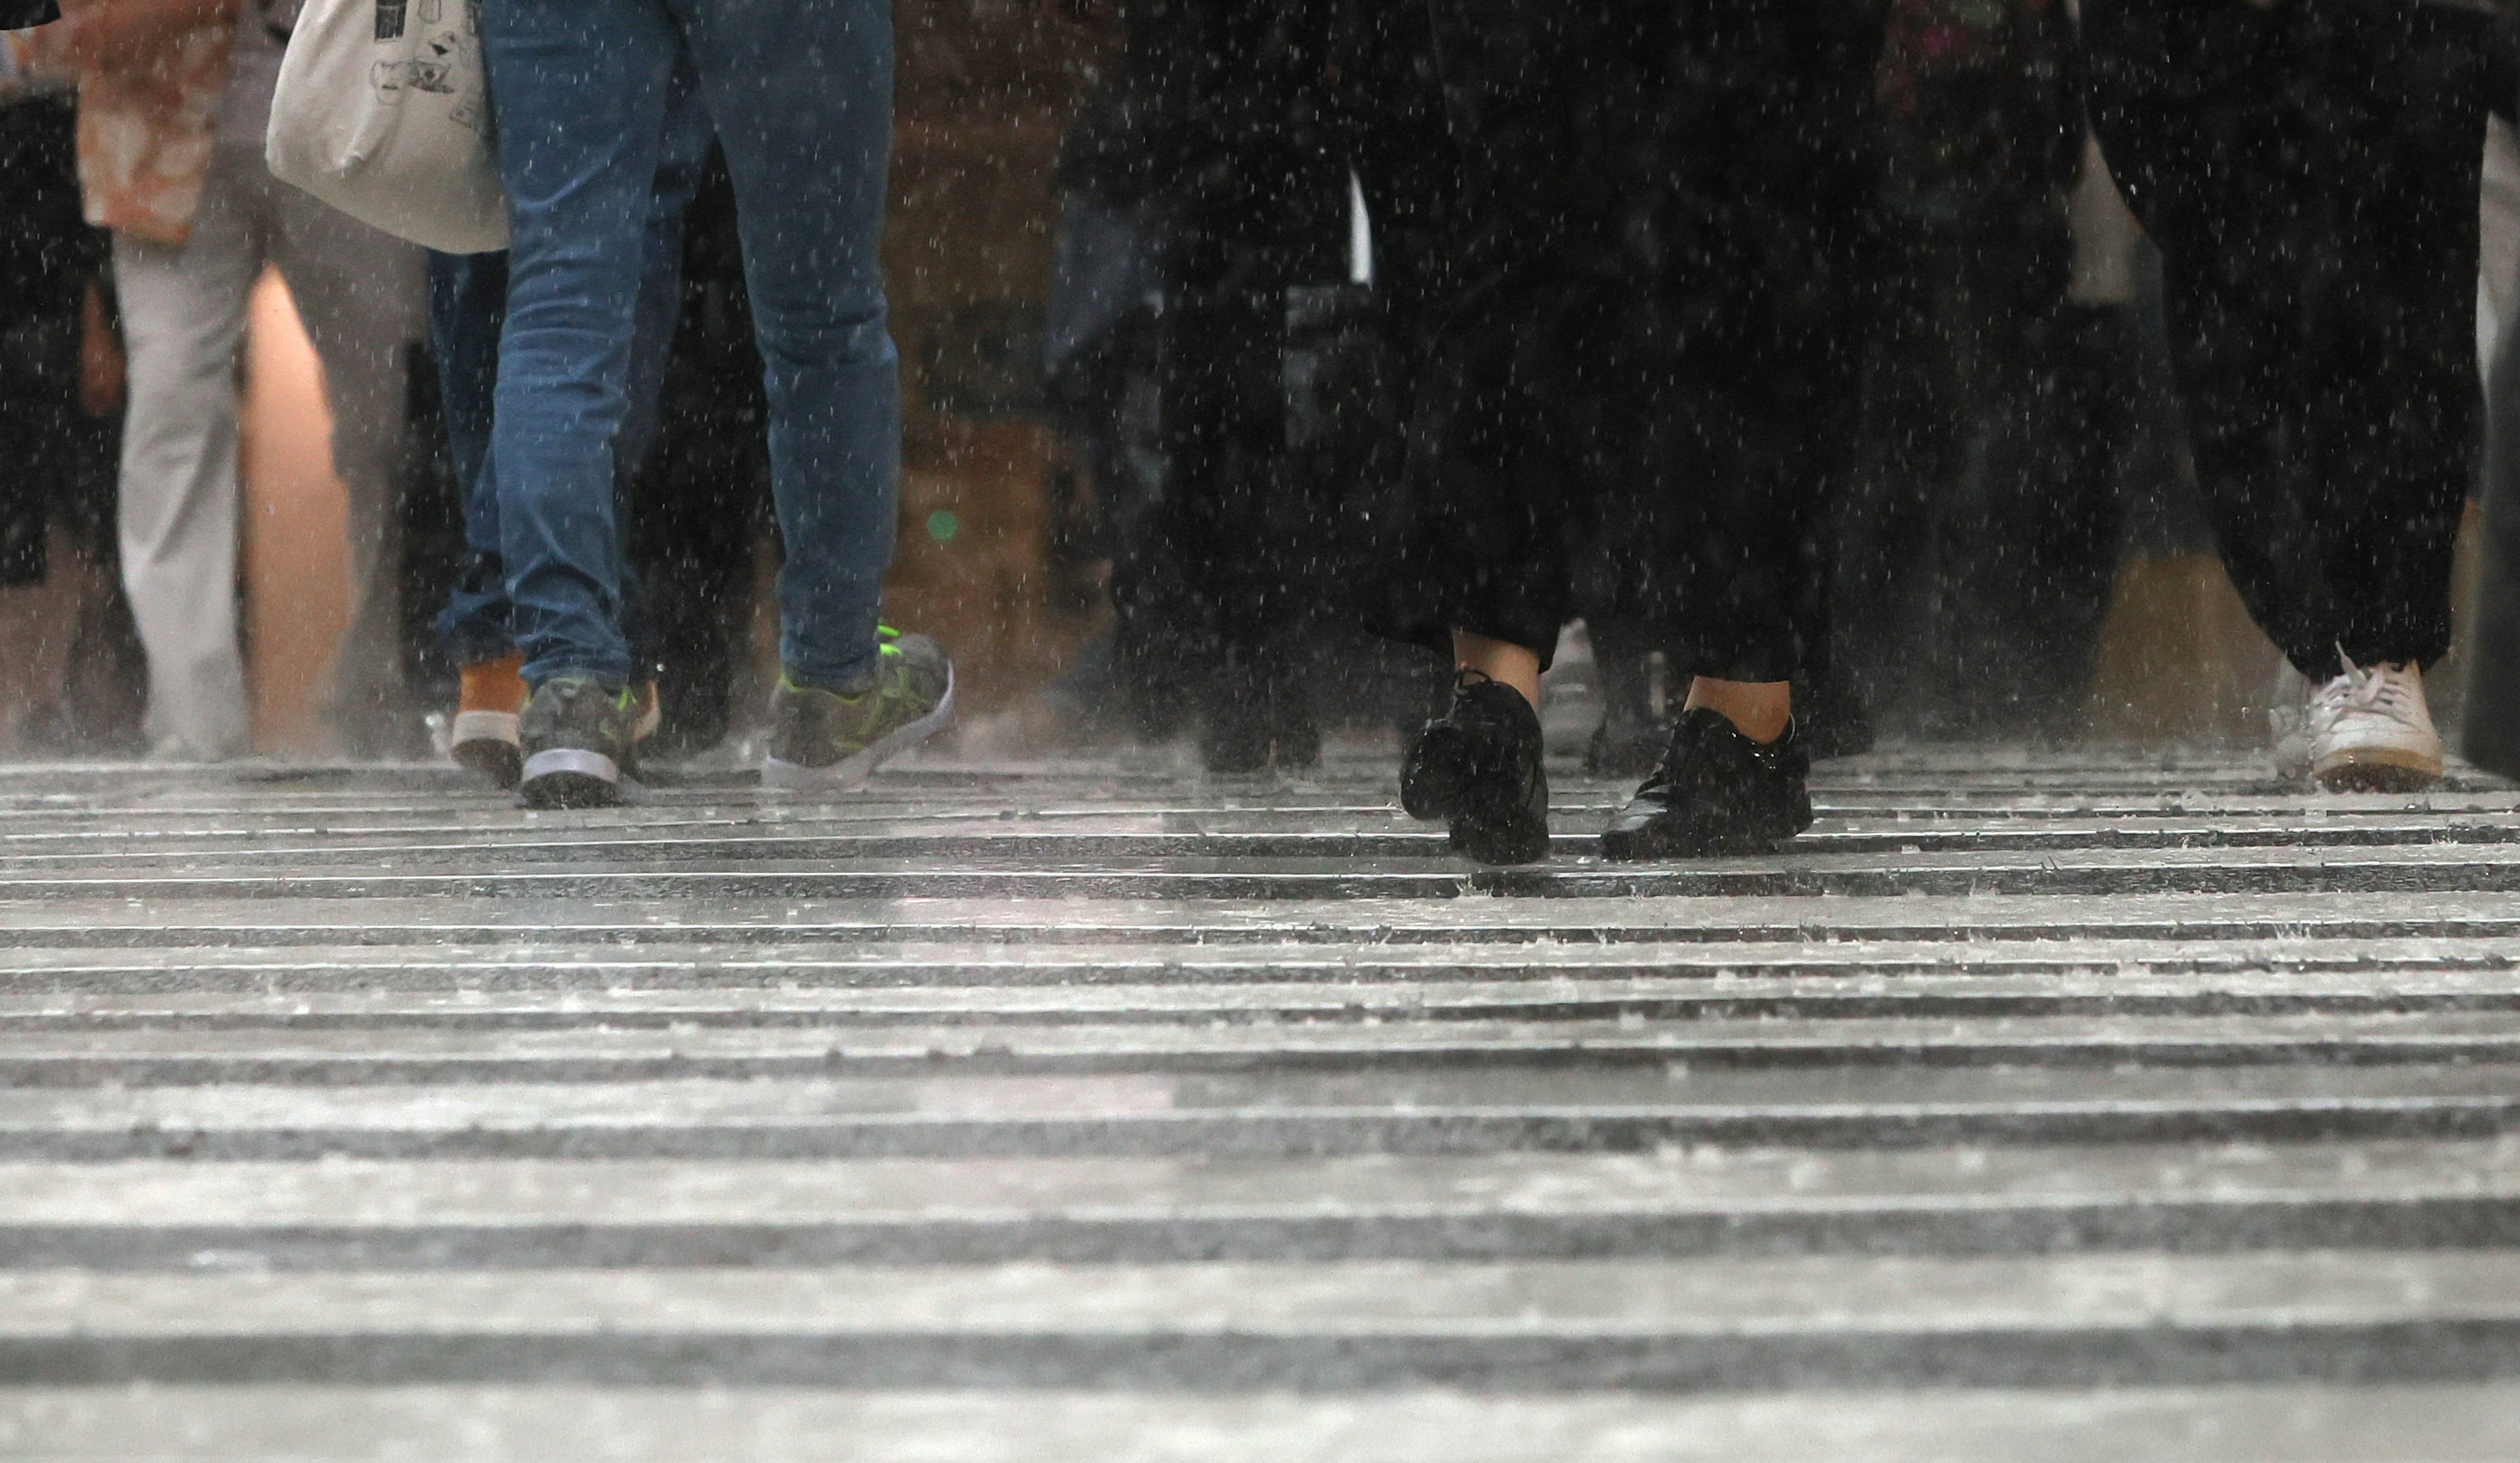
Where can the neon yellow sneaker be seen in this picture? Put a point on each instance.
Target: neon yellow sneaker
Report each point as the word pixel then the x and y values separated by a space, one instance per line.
pixel 490 715
pixel 578 736
pixel 822 739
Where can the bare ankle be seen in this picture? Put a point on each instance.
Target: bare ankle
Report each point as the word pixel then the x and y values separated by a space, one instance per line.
pixel 1761 710
pixel 1500 661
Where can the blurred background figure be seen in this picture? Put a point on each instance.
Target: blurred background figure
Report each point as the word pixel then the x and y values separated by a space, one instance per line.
pixel 174 98
pixel 1221 355
pixel 700 503
pixel 67 659
pixel 1246 196
pixel 49 264
pixel 1976 547
pixel 2489 712
pixel 1101 397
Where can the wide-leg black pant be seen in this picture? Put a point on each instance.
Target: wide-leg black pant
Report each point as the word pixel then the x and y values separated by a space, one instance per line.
pixel 1650 331
pixel 2310 173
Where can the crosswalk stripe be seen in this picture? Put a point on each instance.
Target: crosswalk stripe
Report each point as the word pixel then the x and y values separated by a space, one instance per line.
pixel 1043 1107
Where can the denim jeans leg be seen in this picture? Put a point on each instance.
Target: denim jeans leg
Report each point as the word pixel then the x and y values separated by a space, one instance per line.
pixel 467 299
pixel 680 162
pixel 467 304
pixel 681 158
pixel 582 89
pixel 801 92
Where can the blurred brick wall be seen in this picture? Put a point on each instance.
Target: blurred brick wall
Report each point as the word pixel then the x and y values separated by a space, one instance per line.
pixel 985 90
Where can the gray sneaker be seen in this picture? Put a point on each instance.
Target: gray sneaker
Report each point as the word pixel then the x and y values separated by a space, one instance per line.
pixel 576 738
pixel 822 739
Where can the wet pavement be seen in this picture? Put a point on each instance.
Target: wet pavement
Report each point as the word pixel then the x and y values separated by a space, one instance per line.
pixel 2068 1105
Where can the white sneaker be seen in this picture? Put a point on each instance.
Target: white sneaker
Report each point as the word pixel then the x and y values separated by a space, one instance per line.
pixel 2371 731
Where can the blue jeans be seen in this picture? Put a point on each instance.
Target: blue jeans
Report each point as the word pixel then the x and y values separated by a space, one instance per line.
pixel 801 95
pixel 468 309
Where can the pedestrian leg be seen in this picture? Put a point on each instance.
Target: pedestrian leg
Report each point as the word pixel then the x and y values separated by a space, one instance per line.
pixel 359 292
pixel 801 91
pixel 183 314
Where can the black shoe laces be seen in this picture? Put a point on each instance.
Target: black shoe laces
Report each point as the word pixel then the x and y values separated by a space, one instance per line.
pixel 1763 754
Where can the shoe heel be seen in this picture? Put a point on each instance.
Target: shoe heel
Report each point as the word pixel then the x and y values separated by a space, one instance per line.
pixel 570 777
pixel 499 761
pixel 1438 773
pixel 486 743
pixel 1502 831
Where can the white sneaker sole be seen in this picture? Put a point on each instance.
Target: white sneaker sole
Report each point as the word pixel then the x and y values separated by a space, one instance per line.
pixel 570 777
pixel 575 760
pixel 487 726
pixel 850 773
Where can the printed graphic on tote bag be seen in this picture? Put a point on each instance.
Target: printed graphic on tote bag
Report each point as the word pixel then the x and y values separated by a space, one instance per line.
pixel 428 72
pixel 433 70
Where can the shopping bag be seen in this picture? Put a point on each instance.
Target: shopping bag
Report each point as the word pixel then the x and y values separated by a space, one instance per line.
pixel 384 112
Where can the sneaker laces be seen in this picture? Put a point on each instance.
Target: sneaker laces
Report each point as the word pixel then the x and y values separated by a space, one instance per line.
pixel 2380 689
pixel 2369 692
pixel 1468 678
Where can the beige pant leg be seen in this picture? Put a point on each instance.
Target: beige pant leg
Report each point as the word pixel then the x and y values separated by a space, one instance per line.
pixel 360 294
pixel 183 312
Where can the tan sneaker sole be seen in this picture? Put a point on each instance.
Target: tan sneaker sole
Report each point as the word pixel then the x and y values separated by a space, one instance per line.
pixel 2377 769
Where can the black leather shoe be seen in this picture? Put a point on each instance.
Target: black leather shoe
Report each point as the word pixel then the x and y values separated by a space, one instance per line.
pixel 1716 791
pixel 1478 768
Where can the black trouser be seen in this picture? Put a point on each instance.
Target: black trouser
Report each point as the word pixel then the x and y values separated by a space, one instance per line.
pixel 49 446
pixel 2310 173
pixel 41 434
pixel 1651 335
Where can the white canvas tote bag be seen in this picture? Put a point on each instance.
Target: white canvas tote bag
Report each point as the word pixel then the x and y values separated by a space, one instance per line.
pixel 384 112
